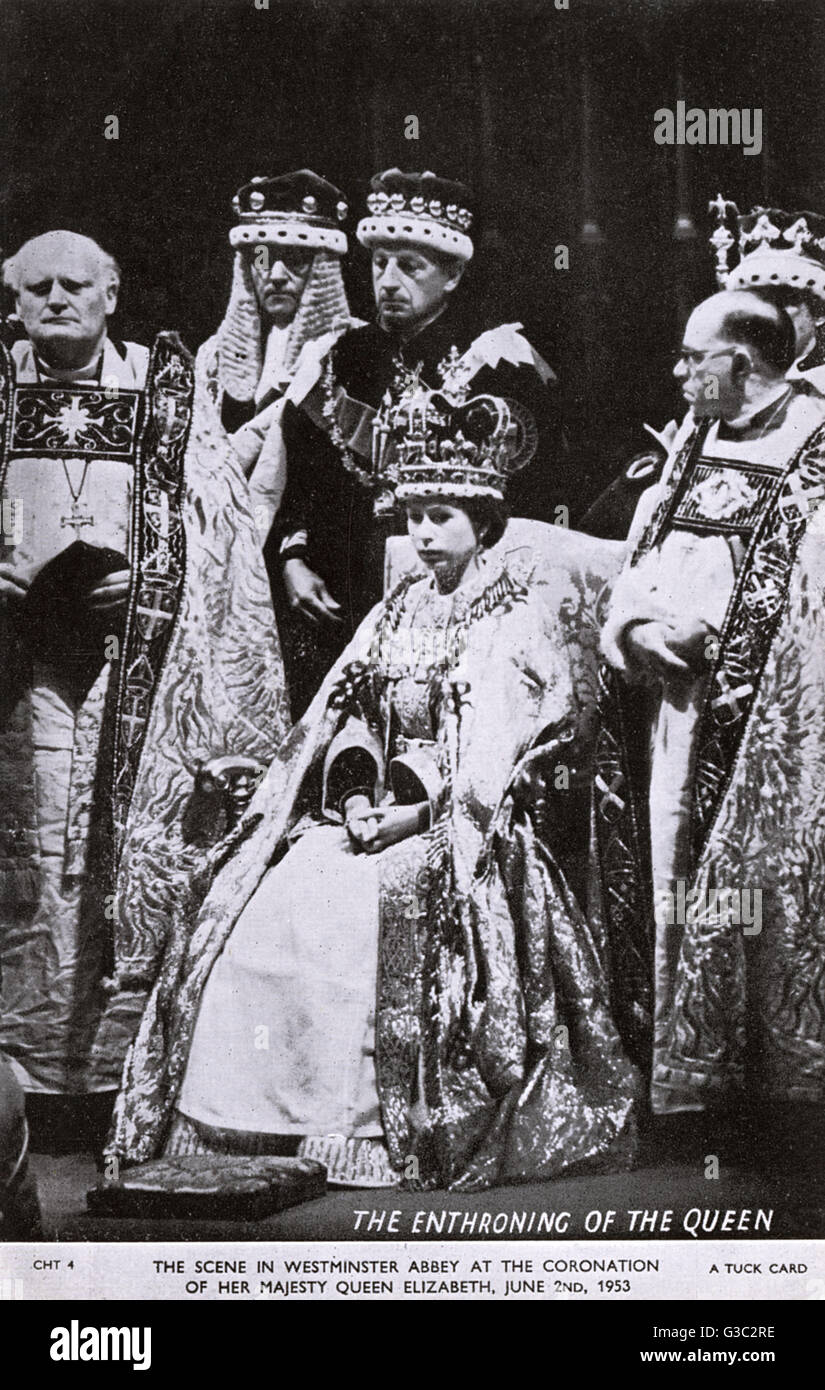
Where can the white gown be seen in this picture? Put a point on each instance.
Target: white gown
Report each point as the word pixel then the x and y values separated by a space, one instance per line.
pixel 284 1041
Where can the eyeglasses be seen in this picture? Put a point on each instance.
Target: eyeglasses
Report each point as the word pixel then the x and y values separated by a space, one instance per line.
pixel 692 358
pixel 295 259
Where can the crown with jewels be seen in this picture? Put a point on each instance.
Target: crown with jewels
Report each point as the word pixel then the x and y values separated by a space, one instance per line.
pixel 420 210
pixel 446 445
pixel 775 248
pixel 296 209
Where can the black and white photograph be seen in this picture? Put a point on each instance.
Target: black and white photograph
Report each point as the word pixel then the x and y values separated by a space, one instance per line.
pixel 412 654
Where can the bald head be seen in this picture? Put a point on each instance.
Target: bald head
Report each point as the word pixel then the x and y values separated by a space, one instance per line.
pixel 804 308
pixel 59 246
pixel 736 350
pixel 65 287
pixel 746 320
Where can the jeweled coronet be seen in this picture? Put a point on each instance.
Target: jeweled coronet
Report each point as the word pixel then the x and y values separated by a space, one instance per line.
pixel 296 209
pixel 420 210
pixel 775 248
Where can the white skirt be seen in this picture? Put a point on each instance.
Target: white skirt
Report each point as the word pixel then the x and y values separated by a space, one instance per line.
pixel 285 1036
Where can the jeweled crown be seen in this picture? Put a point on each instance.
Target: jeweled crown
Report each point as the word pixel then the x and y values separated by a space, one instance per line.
pixel 444 444
pixel 775 247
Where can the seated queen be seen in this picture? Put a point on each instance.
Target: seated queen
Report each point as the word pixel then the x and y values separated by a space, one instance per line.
pixel 388 970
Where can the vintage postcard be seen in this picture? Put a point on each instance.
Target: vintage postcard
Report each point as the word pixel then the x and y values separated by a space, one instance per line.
pixel 412 600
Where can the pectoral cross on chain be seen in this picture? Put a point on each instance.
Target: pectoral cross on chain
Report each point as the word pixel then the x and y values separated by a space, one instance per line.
pixel 78 518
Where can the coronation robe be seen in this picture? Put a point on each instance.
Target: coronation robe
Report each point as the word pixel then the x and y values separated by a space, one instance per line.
pixel 711 792
pixel 219 692
pixel 445 995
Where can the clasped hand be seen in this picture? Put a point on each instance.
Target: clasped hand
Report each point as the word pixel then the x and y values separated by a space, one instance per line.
pixel 110 593
pixel 13 586
pixel 373 828
pixel 670 651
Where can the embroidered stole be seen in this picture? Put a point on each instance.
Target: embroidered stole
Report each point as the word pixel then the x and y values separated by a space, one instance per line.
pixel 775 506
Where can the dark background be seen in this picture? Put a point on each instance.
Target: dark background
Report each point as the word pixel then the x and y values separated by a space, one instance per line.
pixel 548 113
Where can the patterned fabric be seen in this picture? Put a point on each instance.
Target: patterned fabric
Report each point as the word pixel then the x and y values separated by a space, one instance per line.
pixel 199 675
pixel 209 1186
pixel 53 420
pixel 724 496
pixel 188 1136
pixel 351 1162
pixel 221 691
pixel 59 727
pixel 497 1058
pixel 741 1011
pixel 158 558
pixel 13 1129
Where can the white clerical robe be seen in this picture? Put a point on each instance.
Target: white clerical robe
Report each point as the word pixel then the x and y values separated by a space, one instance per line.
pixel 687 575
pixel 51 957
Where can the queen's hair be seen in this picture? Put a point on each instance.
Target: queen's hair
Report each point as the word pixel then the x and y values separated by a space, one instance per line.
pixel 488 515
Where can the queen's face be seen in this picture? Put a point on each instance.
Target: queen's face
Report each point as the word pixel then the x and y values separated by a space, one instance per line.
pixel 442 534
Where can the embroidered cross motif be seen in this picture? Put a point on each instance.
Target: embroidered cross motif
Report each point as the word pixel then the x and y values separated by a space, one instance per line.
pixel 73 420
pixel 132 722
pixel 796 502
pixel 49 420
pixel 610 798
pixel 152 615
pixel 761 596
pixel 729 698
